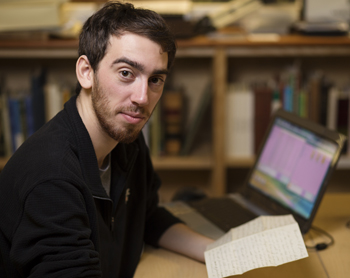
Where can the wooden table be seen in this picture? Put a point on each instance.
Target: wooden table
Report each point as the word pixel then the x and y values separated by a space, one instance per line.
pixel 334 262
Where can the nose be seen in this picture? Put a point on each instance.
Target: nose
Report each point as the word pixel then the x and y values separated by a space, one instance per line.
pixel 140 94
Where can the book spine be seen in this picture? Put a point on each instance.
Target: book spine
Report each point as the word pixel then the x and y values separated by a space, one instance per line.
pixel 332 108
pixel 196 123
pixel 53 100
pixel 155 131
pixel 173 117
pixel 239 121
pixel 38 81
pixel 314 98
pixel 303 104
pixel 288 98
pixel 28 103
pixel 6 125
pixel 262 113
pixel 17 135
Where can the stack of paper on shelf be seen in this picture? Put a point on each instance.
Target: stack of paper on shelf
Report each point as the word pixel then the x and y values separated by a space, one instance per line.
pixel 20 15
pixel 169 7
pixel 73 17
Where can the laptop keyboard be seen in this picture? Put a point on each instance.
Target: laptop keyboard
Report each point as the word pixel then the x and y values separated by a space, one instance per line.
pixel 223 212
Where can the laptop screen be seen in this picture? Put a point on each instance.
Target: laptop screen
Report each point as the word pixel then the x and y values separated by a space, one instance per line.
pixel 292 166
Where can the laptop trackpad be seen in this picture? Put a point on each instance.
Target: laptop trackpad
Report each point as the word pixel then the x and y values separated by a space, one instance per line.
pixel 247 204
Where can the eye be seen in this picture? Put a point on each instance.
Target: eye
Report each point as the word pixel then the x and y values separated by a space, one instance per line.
pixel 156 80
pixel 125 73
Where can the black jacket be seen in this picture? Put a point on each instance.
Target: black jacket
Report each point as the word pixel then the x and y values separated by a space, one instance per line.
pixel 56 220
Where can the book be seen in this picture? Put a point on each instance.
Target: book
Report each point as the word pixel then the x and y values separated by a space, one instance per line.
pixel 288 98
pixel 343 117
pixel 325 87
pixel 303 103
pixel 53 96
pixel 314 99
pixel 173 105
pixel 195 124
pixel 5 125
pixel 38 81
pixel 16 124
pixel 332 108
pixel 239 121
pixel 155 131
pixel 338 112
pixel 291 88
pixel 29 118
pixel 262 113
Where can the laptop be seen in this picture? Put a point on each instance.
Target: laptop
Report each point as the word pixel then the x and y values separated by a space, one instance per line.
pixel 290 175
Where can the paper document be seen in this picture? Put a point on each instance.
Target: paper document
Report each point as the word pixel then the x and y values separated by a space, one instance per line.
pixel 264 241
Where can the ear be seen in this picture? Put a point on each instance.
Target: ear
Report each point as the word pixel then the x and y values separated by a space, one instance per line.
pixel 84 72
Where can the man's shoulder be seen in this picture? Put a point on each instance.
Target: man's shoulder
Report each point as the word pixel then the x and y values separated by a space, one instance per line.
pixel 50 152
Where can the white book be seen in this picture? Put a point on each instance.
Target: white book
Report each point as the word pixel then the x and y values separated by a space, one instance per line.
pixel 332 109
pixel 239 121
pixel 53 100
pixel 5 123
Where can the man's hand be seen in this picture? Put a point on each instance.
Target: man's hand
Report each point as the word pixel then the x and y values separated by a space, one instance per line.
pixel 181 239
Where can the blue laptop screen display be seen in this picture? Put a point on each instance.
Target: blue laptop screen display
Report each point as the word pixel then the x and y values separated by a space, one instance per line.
pixel 292 166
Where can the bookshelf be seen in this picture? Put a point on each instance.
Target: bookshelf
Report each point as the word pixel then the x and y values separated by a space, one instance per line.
pixel 222 57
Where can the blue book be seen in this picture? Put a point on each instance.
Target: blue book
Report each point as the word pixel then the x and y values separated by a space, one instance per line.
pixel 288 98
pixel 38 100
pixel 17 135
pixel 28 106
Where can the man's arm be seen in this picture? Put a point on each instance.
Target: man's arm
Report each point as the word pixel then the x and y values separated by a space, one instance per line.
pixel 53 238
pixel 181 239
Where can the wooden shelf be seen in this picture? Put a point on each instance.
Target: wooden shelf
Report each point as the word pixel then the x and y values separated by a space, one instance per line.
pixel 182 163
pixel 241 162
pixel 201 46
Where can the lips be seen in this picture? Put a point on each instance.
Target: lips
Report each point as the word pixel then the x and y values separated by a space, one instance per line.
pixel 133 118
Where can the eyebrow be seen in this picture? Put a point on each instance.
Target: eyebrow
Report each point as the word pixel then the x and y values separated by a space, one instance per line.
pixel 138 66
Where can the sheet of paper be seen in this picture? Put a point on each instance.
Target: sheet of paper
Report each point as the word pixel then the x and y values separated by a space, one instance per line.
pixel 265 241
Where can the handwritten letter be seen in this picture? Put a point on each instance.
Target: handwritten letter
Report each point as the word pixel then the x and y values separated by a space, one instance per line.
pixel 264 241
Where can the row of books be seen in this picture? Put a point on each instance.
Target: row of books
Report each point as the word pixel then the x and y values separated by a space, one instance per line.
pixel 24 111
pixel 167 133
pixel 249 107
pixel 170 132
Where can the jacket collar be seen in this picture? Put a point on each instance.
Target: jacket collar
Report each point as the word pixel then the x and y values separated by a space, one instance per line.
pixel 123 154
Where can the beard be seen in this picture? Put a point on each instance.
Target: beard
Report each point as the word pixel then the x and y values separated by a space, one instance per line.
pixel 106 115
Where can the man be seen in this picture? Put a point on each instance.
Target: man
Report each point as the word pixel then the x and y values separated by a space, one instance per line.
pixel 79 197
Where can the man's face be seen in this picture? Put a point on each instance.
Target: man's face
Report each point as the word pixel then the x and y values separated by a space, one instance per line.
pixel 128 84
